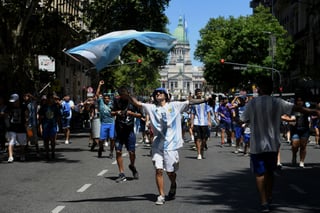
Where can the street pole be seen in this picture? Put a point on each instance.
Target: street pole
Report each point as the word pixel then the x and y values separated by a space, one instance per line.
pixel 257 66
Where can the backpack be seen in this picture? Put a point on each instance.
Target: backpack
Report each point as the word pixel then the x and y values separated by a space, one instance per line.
pixel 66 110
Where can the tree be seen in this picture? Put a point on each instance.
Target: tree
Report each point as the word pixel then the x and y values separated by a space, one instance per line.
pixel 29 28
pixel 244 40
pixel 105 16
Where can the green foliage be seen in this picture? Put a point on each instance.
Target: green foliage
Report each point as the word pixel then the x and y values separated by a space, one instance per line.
pixel 143 15
pixel 29 28
pixel 243 40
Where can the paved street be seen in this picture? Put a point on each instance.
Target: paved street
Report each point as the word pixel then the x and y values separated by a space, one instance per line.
pixel 79 182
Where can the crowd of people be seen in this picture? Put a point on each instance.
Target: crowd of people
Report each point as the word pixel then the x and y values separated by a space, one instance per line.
pixel 249 124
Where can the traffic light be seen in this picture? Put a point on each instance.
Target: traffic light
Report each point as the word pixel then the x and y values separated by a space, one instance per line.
pixel 280 89
pixel 221 61
pixel 139 61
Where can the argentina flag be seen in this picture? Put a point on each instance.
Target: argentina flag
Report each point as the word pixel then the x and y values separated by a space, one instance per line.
pixel 103 50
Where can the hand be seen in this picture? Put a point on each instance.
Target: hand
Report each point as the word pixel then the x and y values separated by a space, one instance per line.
pixel 101 82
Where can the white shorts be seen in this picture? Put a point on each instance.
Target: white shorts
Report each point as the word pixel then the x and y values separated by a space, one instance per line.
pixel 166 160
pixel 16 138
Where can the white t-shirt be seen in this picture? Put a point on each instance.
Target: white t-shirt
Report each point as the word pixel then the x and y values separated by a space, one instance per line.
pixel 264 116
pixel 166 123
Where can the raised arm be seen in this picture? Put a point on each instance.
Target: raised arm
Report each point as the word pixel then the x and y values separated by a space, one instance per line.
pixel 134 101
pixel 99 88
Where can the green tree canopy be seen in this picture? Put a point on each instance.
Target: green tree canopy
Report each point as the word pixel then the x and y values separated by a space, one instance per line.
pixel 257 40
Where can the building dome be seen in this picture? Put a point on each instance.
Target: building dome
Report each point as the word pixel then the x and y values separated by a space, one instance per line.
pixel 180 33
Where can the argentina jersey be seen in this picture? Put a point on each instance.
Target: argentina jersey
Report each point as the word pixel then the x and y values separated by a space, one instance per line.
pixel 166 122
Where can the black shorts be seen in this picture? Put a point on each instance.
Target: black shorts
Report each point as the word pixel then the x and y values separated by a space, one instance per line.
pixel 200 132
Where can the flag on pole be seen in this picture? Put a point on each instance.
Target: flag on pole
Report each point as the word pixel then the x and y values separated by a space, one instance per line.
pixel 103 50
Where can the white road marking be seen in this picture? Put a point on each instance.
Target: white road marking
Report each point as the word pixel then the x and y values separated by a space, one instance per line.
pixel 84 187
pixel 58 209
pixel 298 189
pixel 103 172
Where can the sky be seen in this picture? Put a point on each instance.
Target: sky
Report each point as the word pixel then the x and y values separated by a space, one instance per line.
pixel 197 13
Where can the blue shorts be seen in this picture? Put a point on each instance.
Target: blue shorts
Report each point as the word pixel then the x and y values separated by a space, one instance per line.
pixel 238 131
pixel 126 138
pixel 246 138
pixel 263 162
pixel 225 125
pixel 297 134
pixel 49 133
pixel 106 131
pixel 65 123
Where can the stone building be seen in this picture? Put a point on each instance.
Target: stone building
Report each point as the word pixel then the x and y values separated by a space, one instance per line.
pixel 178 75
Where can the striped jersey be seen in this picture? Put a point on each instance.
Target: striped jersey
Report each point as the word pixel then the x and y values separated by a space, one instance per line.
pixel 264 116
pixel 200 112
pixel 166 123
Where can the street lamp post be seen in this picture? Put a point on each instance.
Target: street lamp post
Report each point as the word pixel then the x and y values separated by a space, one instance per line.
pixel 256 66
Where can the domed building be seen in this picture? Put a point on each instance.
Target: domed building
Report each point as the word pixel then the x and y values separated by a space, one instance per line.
pixel 179 76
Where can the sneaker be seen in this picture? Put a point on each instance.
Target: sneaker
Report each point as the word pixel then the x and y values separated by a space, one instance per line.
pixel 236 151
pixel 66 142
pixel 199 157
pixel 121 178
pixel 172 192
pixel 301 164
pixel 10 160
pixel 279 165
pixel 134 172
pixel 160 200
pixel 265 208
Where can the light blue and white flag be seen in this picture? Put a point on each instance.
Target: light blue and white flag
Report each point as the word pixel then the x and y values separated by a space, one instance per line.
pixel 103 50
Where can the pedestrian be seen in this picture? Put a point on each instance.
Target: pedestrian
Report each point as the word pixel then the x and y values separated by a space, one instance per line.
pixel 125 114
pixel 3 123
pixel 67 105
pixel 49 116
pixel 107 124
pixel 165 118
pixel 238 105
pixel 17 132
pixel 200 124
pixel 300 132
pixel 32 125
pixel 264 116
pixel 225 115
pixel 315 124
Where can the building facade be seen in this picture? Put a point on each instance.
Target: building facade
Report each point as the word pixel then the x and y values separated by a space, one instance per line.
pixel 178 75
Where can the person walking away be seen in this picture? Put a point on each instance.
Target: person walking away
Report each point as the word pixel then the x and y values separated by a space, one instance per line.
pixel 67 105
pixel 225 121
pixel 17 132
pixel 3 124
pixel 264 116
pixel 125 113
pixel 315 122
pixel 200 123
pixel 107 123
pixel 32 126
pixel 238 104
pixel 300 133
pixel 49 116
pixel 165 118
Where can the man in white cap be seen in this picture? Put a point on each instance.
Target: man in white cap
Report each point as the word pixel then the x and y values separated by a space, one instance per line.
pixel 18 118
pixel 165 118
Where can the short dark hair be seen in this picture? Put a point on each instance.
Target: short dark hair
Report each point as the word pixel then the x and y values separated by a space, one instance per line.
pixel 197 90
pixel 265 85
